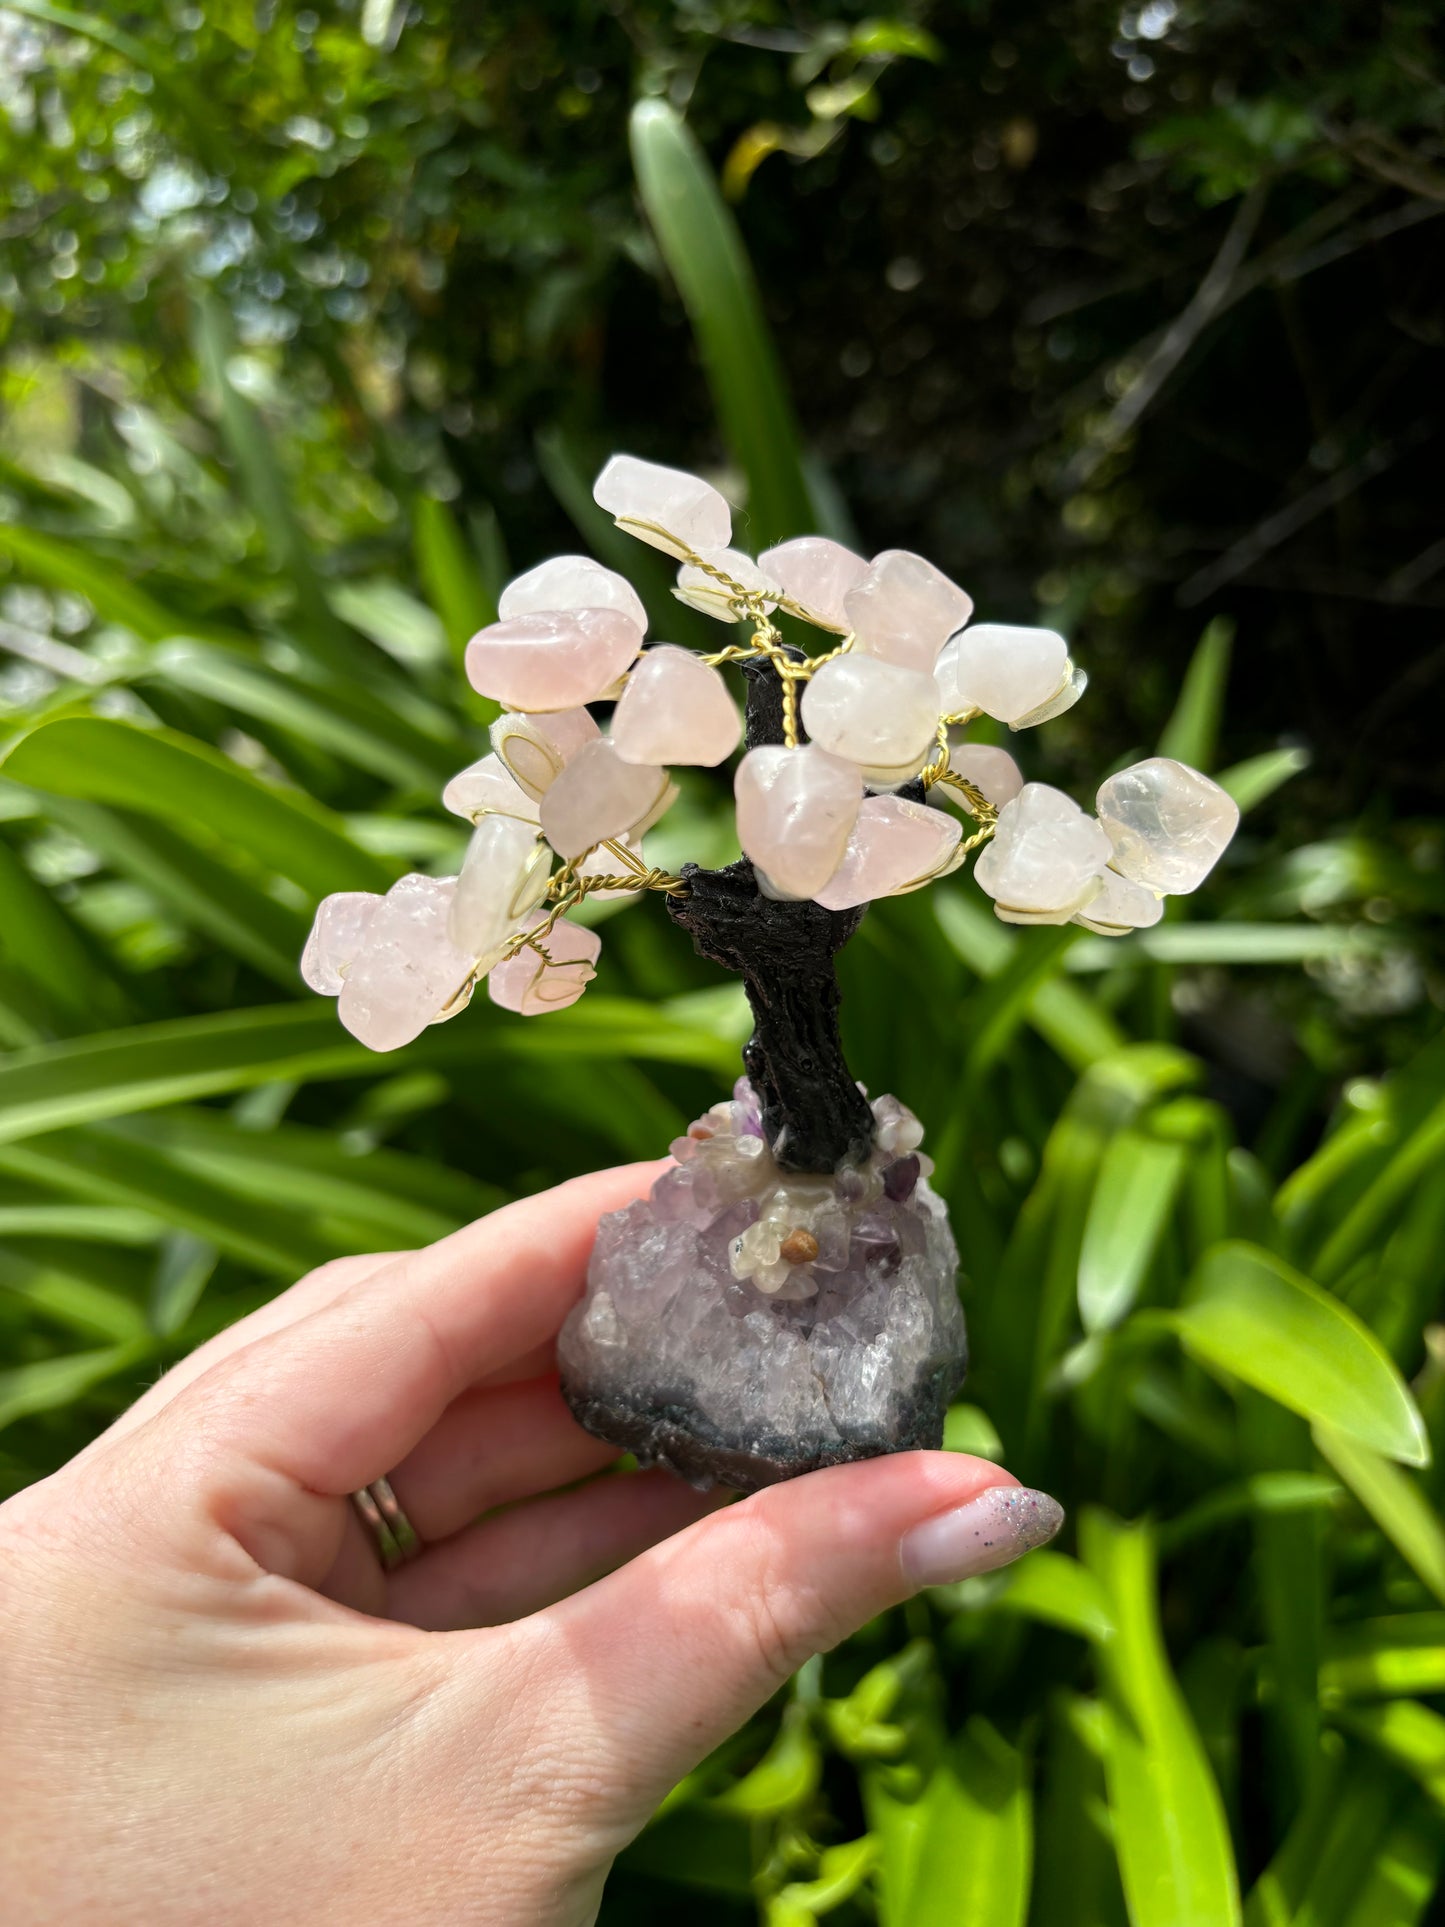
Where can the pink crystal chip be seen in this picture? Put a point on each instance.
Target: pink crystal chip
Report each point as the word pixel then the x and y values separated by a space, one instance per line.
pixel 795 808
pixel 530 985
pixel 599 796
pixel 895 845
pixel 552 661
pixel 675 709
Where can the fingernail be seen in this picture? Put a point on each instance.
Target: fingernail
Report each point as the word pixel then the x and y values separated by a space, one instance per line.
pixel 993 1530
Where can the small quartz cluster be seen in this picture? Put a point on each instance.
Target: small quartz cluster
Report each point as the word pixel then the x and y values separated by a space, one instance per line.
pixel 744 1323
pixel 560 805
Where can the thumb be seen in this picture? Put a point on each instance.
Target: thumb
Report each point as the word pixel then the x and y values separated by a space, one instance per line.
pixel 663 1659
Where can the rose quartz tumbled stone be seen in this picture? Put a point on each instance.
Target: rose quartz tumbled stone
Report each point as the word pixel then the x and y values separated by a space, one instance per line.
pixel 895 845
pixel 504 874
pixel 571 582
pixel 817 574
pixel 408 969
pixel 675 709
pixel 1168 824
pixel 527 984
pixel 548 662
pixel 667 507
pixel 1045 857
pixel 337 934
pixel 992 771
pixel 904 610
pixel 536 749
pixel 876 714
pixel 795 808
pixel 1004 670
pixel 598 796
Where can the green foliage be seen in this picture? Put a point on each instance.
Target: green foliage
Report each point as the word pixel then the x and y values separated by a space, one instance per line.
pixel 253 507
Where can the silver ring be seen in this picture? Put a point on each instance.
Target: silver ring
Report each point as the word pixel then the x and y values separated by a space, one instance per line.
pixel 395 1537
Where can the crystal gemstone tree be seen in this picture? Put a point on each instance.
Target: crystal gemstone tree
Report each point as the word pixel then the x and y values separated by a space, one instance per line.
pixel 786 1296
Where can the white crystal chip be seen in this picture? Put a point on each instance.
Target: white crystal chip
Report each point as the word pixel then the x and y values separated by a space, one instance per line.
pixel 817 574
pixel 552 661
pixel 895 846
pixel 337 934
pixel 1168 825
pixel 795 809
pixel 570 582
pixel 1119 906
pixel 700 589
pixel 409 970
pixel 667 507
pixel 879 715
pixel 530 985
pixel 904 610
pixel 599 796
pixel 1045 858
pixel 504 874
pixel 488 785
pixel 1064 697
pixel 1003 670
pixel 675 709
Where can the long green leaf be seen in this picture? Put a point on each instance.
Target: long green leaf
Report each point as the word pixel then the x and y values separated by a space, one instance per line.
pixel 1411 1735
pixel 1138 1182
pixel 163 773
pixel 203 889
pixel 367 742
pixel 700 243
pixel 48 1087
pixel 70 565
pixel 1393 1500
pixel 104 1167
pixel 1251 1316
pixel 52 1382
pixel 1192 731
pixel 976 1852
pixel 449 573
pixel 1169 1826
pixel 38 938
pixel 1388 1658
pixel 73 1291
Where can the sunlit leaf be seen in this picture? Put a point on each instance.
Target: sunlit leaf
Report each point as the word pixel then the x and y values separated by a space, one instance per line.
pixel 1169 1827
pixel 1250 1315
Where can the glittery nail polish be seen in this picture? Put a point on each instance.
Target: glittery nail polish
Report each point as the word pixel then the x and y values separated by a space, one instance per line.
pixel 997 1527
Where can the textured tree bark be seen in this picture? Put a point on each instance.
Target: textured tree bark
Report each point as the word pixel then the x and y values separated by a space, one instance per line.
pixel 815 1117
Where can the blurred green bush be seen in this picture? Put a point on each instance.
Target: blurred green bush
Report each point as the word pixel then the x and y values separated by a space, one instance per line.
pixel 317 315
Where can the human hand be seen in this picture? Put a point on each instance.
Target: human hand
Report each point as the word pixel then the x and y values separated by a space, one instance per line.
pixel 218 1707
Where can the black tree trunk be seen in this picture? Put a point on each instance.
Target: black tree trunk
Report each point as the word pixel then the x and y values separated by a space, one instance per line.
pixel 814 1114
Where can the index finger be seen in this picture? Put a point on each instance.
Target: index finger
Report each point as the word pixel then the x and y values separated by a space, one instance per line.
pixel 334 1401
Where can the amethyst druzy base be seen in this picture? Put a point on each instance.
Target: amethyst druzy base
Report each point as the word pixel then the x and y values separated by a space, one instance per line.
pixel 744 1323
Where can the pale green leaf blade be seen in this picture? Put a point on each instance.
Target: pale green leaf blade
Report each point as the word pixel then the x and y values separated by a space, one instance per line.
pixel 1249 1315
pixel 1138 1181
pixel 700 243
pixel 1398 1656
pixel 975 1856
pixel 1170 1832
pixel 163 773
pixel 1192 731
pixel 1393 1500
pixel 52 1382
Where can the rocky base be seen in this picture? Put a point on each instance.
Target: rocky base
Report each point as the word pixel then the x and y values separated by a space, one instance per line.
pixel 745 1324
